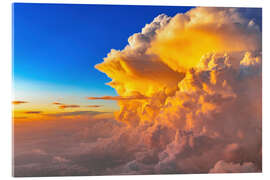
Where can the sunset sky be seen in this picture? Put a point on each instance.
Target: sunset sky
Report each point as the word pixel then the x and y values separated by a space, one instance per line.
pixel 57 46
pixel 108 90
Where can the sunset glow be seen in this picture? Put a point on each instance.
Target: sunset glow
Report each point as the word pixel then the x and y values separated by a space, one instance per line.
pixel 178 90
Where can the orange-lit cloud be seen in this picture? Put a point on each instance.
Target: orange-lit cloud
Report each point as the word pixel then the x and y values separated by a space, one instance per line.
pixel 20 117
pixel 201 73
pixel 64 106
pixel 68 106
pixel 33 112
pixel 19 102
pixel 157 62
pixel 117 98
pixel 57 103
pixel 94 106
pixel 73 113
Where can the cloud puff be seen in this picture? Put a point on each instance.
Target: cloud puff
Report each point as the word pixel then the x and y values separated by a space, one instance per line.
pixel 223 167
pixel 39 151
pixel 19 102
pixel 60 159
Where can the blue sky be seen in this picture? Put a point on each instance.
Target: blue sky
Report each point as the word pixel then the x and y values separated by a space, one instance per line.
pixel 57 45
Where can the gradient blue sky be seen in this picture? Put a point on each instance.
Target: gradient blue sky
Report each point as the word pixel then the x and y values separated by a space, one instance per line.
pixel 57 45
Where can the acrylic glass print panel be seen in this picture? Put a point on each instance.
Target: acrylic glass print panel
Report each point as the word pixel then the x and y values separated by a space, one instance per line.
pixel 110 90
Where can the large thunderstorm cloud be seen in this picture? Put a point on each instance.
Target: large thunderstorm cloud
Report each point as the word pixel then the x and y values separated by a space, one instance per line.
pixel 197 79
pixel 190 96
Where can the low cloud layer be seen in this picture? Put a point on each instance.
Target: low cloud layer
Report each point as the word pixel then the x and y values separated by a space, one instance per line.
pixel 190 101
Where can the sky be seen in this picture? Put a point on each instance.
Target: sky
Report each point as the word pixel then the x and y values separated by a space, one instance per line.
pixel 109 90
pixel 56 47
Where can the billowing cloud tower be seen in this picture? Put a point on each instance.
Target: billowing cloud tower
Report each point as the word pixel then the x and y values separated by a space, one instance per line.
pixel 189 94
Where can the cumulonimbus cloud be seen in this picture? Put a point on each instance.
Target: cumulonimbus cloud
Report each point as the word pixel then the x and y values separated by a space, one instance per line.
pixel 201 73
